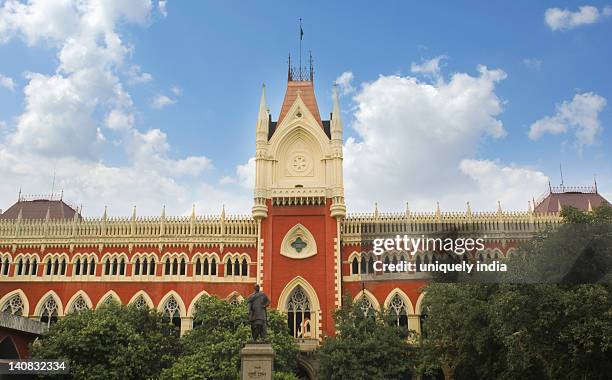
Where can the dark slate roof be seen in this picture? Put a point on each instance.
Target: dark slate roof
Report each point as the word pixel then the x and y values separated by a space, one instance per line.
pixel 37 209
pixel 578 198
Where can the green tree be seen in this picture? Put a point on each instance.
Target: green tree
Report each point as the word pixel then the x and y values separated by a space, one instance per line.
pixel 365 347
pixel 111 342
pixel 212 347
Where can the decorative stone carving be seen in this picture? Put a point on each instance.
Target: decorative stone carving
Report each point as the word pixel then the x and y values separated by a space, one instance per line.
pixel 298 243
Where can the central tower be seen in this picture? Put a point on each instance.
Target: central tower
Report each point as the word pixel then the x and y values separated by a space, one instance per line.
pixel 299 203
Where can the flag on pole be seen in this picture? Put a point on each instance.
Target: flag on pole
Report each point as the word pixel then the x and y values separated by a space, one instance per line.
pixel 301 31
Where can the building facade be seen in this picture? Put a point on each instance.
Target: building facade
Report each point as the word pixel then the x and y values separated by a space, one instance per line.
pixel 299 243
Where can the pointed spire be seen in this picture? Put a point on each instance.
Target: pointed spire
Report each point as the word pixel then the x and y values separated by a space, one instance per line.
pixel 263 118
pixel 19 196
pixel 105 215
pixel 529 207
pixel 559 205
pixel 438 208
pixel 376 209
pixel 336 122
pixel 595 184
pixel 263 108
pixel 48 215
pixel 469 209
pixel 589 207
pixel 223 211
pixel 134 213
pixel 499 208
pixel 407 210
pixel 193 214
pixel 163 214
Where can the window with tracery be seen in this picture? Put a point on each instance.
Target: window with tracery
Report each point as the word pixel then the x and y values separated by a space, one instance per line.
pixel 299 314
pixel 13 305
pixel 234 300
pixel 397 307
pixel 79 305
pixel 141 303
pixel 366 306
pixel 48 312
pixel 171 312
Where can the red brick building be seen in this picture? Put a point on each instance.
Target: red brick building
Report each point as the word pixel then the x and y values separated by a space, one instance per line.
pixel 299 243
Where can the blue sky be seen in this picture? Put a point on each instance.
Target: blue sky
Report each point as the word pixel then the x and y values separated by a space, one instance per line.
pixel 215 56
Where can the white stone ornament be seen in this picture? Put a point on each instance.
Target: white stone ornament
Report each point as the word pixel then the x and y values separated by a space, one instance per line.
pixel 298 243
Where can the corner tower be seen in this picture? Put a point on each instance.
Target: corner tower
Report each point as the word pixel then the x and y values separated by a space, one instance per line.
pixel 299 203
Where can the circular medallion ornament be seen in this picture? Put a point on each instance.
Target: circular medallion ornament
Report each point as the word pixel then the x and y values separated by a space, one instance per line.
pixel 299 164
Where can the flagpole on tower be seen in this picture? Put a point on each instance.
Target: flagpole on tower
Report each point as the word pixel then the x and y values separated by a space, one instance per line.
pixel 301 34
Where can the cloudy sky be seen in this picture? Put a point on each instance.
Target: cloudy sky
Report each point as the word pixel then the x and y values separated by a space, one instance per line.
pixel 152 103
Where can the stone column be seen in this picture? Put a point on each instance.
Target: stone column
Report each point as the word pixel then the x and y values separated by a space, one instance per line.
pixel 257 361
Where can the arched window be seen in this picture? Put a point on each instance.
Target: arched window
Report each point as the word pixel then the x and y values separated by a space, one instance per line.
pixel 183 267
pixel 140 303
pixel 137 267
pixel 19 267
pixel 34 267
pixel 213 267
pixel 167 266
pixel 13 305
pixel 245 268
pixel 48 312
pixel 174 266
pixel 418 263
pixel 236 267
pixel 77 267
pixel 92 267
pixel 171 312
pixel 364 265
pixel 152 267
pixel 144 267
pixel 63 267
pixel 84 268
pixel 355 266
pixel 5 267
pixel 79 304
pixel 387 267
pixel 122 267
pixel 228 268
pixel 366 306
pixel 394 260
pixel 49 267
pixel 371 265
pixel 398 309
pixel 114 267
pixel 55 266
pixel 206 268
pixel 234 300
pixel 26 269
pixel 298 314
pixel 197 267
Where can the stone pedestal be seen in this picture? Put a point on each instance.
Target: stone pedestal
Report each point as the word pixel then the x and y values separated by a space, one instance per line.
pixel 257 361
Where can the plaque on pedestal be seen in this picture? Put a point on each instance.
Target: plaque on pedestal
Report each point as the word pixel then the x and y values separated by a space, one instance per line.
pixel 257 361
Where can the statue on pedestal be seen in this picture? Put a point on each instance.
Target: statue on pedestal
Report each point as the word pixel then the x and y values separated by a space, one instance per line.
pixel 257 304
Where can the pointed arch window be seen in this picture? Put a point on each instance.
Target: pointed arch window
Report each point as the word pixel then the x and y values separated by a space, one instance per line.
pixel 19 267
pixel 183 267
pixel 79 305
pixel 49 313
pixel 141 303
pixel 245 268
pixel 228 268
pixel 398 310
pixel 137 267
pixel 198 267
pixel 13 305
pixel 366 306
pixel 355 266
pixel 299 314
pixel 171 312
pixel 5 266
pixel 213 267
pixel 152 267
pixel 364 265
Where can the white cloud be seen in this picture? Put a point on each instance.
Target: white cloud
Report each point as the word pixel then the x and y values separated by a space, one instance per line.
pixel 533 63
pixel 176 90
pixel 414 136
pixel 564 19
pixel 2 124
pixel 580 114
pixel 428 67
pixel 161 101
pixel 162 7
pixel 60 128
pixel 7 82
pixel 344 83
pixel 136 75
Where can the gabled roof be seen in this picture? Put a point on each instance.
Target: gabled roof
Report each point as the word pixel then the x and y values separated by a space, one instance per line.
pixel 37 209
pixel 565 196
pixel 306 91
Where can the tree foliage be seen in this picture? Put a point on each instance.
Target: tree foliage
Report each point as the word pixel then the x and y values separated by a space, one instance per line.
pixel 212 347
pixel 365 347
pixel 549 318
pixel 111 342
